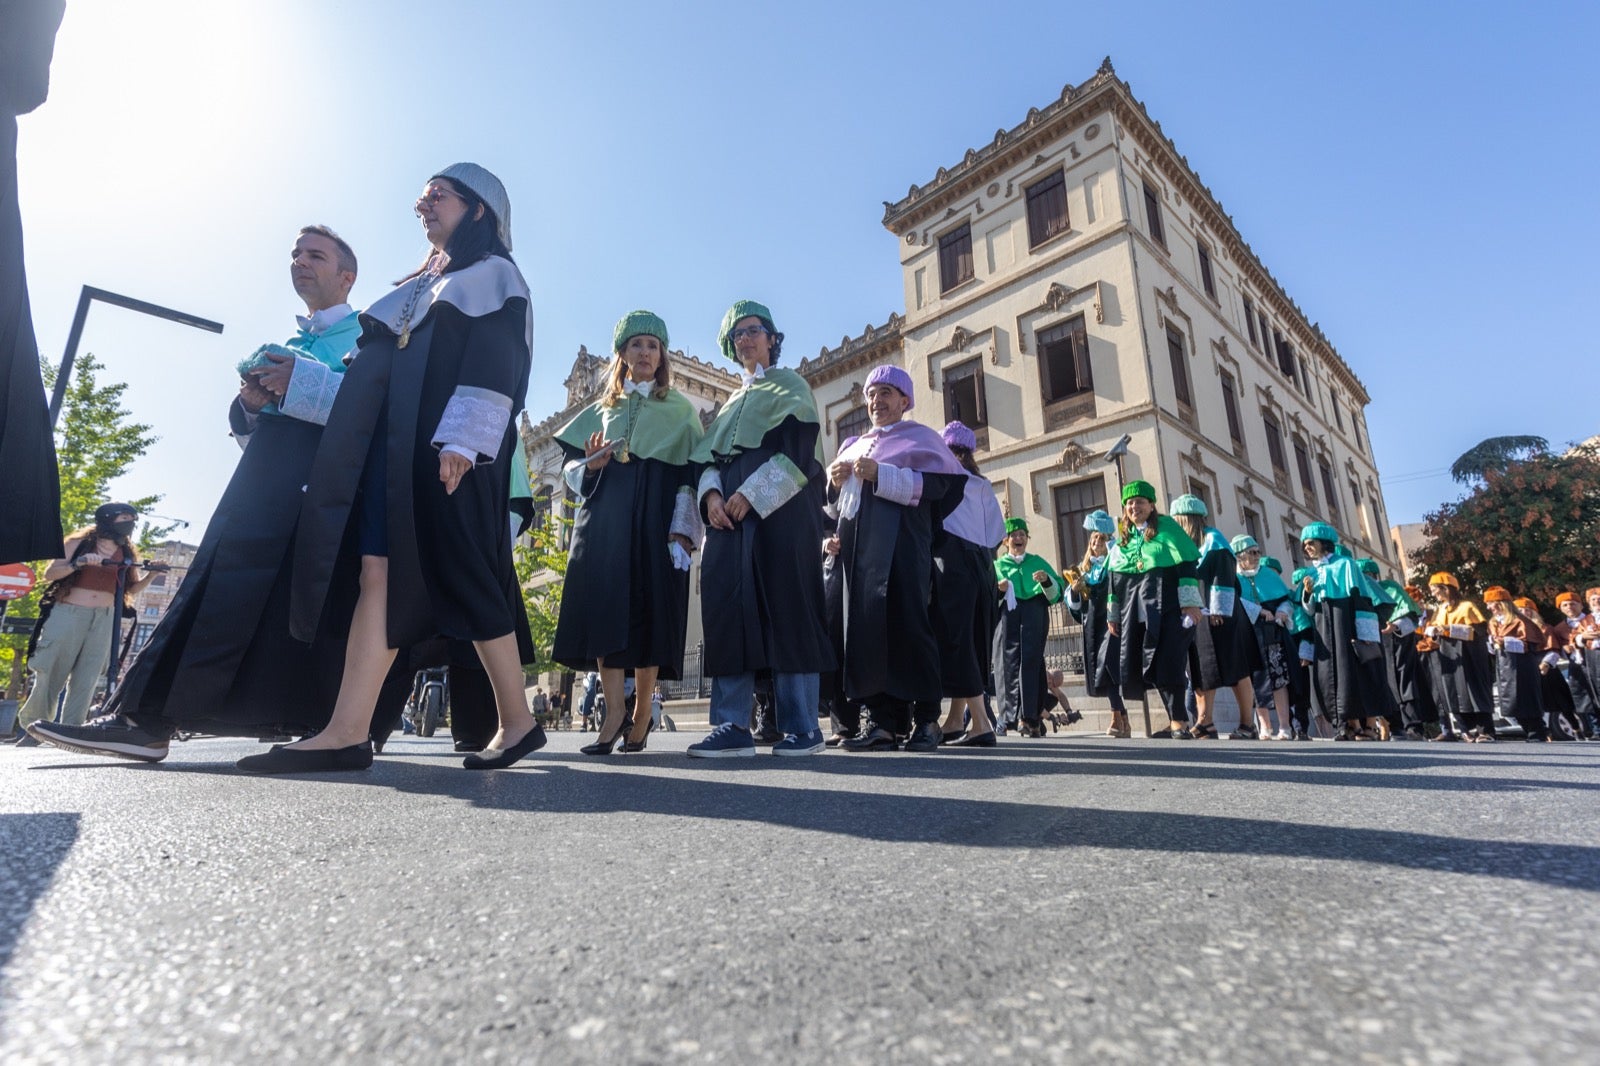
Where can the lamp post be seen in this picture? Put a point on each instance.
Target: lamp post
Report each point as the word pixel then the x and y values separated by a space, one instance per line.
pixel 116 299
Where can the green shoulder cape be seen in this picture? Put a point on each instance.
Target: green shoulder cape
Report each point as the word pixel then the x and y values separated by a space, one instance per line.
pixel 664 428
pixel 755 410
pixel 1170 547
pixel 1021 576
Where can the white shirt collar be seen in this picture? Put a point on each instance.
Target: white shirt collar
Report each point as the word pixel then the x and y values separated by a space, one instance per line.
pixel 752 376
pixel 629 387
pixel 318 321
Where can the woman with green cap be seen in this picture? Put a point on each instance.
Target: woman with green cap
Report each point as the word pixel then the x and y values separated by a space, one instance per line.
pixel 1224 652
pixel 1301 650
pixel 761 596
pixel 625 600
pixel 1401 665
pixel 1346 661
pixel 1268 601
pixel 1029 585
pixel 1154 603
pixel 1088 585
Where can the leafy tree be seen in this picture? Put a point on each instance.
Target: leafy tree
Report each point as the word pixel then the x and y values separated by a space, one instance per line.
pixel 541 571
pixel 1529 526
pixel 96 443
pixel 1496 453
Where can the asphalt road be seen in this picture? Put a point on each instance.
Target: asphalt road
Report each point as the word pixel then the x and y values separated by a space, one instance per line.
pixel 1054 900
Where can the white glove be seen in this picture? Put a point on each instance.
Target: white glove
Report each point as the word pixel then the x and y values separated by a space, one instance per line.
pixel 680 558
pixel 1011 597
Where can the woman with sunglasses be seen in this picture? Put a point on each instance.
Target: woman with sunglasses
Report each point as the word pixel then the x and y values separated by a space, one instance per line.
pixel 410 486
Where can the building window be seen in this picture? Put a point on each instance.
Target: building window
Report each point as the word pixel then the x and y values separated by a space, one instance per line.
pixel 854 423
pixel 1355 431
pixel 1230 403
pixel 1328 491
pixel 1152 215
pixel 1207 280
pixel 1302 462
pixel 141 635
pixel 1361 514
pixel 955 258
pixel 1266 345
pixel 1306 384
pixel 1274 443
pixel 1250 322
pixel 963 395
pixel 1072 503
pixel 1198 488
pixel 1180 367
pixel 1047 209
pixel 1064 353
pixel 1252 524
pixel 1338 415
pixel 152 612
pixel 159 581
pixel 1285 355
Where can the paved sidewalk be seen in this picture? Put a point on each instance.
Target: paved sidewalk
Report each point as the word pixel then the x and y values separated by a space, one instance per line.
pixel 1057 900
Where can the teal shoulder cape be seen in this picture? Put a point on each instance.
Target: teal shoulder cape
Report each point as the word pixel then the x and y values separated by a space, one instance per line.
pixel 664 428
pixel 756 410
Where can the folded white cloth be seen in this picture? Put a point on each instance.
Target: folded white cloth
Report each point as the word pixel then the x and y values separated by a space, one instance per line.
pixel 850 497
pixel 1011 597
pixel 680 558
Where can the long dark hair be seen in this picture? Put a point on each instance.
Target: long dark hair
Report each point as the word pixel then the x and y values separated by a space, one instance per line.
pixel 475 238
pixel 964 457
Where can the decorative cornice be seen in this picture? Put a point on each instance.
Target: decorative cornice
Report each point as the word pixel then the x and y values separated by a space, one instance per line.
pixel 853 352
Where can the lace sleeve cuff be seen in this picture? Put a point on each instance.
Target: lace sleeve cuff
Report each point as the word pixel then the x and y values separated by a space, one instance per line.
pixel 899 485
pixel 774 483
pixel 710 481
pixel 1367 627
pixel 1189 595
pixel 686 517
pixel 474 418
pixel 312 387
pixel 1221 601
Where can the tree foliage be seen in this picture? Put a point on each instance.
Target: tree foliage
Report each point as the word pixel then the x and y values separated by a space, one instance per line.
pixel 1495 454
pixel 541 563
pixel 96 443
pixel 1529 526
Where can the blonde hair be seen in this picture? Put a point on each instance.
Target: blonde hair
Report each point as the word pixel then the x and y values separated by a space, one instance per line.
pixel 619 374
pixel 1191 524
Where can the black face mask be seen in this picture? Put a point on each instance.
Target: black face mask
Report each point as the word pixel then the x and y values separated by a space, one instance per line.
pixel 124 528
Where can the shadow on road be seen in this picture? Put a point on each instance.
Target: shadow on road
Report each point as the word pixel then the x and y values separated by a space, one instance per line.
pixel 32 846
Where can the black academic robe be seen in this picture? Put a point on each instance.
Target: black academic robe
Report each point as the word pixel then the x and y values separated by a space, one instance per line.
pixel 966 607
pixel 222 661
pixel 1154 642
pixel 1222 655
pixel 1101 650
pixel 890 645
pixel 1346 673
pixel 1023 683
pixel 450 565
pixel 1463 676
pixel 1517 677
pixel 761 600
pixel 622 600
pixel 1401 672
pixel 30 486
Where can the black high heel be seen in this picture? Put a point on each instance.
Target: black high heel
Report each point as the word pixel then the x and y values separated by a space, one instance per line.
pixel 631 746
pixel 604 747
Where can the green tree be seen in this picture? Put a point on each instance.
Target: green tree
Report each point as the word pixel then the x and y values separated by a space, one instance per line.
pixel 1495 454
pixel 1528 526
pixel 96 443
pixel 541 571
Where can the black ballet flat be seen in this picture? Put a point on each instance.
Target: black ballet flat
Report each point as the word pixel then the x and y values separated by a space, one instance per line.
pixel 977 740
pixel 951 738
pixel 499 760
pixel 284 760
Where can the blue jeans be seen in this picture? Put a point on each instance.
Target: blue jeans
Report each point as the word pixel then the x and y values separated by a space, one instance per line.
pixel 795 696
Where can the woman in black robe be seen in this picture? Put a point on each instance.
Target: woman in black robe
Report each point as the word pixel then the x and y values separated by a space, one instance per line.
pixel 415 461
pixel 625 598
pixel 761 496
pixel 1463 672
pixel 1088 587
pixel 1348 612
pixel 1224 652
pixel 1517 647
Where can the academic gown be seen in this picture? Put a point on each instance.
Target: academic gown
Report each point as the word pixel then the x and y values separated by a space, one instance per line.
pixel 1024 629
pixel 30 485
pixel 622 601
pixel 1101 650
pixel 761 598
pixel 1463 672
pixel 891 648
pixel 462 375
pixel 1402 663
pixel 966 605
pixel 1347 661
pixel 1152 581
pixel 222 660
pixel 1221 655
pixel 1517 652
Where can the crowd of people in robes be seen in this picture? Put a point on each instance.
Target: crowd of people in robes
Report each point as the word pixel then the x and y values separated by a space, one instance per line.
pixel 367 533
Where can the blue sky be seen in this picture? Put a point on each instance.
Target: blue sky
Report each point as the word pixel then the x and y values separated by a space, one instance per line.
pixel 1418 176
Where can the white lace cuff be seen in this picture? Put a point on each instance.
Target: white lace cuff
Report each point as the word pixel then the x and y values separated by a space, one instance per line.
pixel 1189 596
pixel 474 418
pixel 1404 625
pixel 1551 659
pixel 899 485
pixel 1307 651
pixel 1367 627
pixel 1221 601
pixel 466 453
pixel 312 387
pixel 1252 611
pixel 686 517
pixel 710 481
pixel 774 483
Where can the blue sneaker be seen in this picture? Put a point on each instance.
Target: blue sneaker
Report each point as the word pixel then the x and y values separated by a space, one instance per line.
pixel 725 742
pixel 799 744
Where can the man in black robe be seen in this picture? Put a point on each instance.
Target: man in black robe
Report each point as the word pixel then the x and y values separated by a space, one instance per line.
pixel 893 486
pixel 30 490
pixel 222 660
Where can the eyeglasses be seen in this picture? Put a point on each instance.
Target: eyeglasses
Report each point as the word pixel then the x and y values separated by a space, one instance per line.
pixel 746 331
pixel 431 198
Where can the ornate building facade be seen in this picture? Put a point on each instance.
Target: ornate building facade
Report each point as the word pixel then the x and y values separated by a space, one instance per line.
pixel 1072 285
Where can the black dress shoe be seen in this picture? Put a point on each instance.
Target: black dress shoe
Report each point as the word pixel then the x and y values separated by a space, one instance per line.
pixel 283 760
pixel 924 738
pixel 984 739
pixel 875 739
pixel 490 759
pixel 603 747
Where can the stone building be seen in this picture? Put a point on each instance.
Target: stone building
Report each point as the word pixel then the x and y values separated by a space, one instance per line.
pixel 151 602
pixel 1073 283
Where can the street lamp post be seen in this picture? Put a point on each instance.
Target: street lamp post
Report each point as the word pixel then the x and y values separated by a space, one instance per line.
pixel 116 299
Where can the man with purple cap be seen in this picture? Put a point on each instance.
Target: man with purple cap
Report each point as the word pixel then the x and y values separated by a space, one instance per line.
pixel 892 488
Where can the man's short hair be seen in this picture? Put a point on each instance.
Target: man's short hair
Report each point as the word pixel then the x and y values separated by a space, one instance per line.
pixel 347 257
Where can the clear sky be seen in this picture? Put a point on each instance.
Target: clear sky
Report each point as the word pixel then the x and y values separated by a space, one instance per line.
pixel 1419 176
